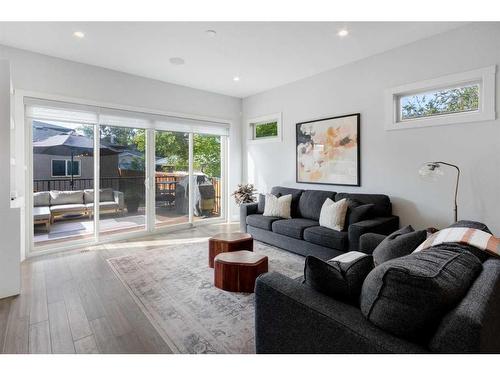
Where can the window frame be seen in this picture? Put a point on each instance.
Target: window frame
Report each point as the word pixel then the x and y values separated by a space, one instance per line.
pixel 66 162
pixel 252 123
pixel 484 77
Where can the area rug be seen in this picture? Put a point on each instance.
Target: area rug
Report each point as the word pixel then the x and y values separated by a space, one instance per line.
pixel 174 288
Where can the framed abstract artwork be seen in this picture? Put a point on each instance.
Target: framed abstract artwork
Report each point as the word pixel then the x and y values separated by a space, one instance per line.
pixel 328 151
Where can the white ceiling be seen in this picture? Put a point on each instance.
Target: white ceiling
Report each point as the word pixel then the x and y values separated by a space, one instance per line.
pixel 263 54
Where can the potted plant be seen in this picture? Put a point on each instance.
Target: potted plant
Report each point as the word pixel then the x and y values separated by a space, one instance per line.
pixel 245 193
pixel 132 200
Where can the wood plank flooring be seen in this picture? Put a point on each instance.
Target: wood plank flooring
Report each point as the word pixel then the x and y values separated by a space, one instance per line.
pixel 72 302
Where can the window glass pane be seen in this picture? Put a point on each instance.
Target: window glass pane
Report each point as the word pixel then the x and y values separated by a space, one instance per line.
pixel 442 102
pixel 75 167
pixel 122 206
pixel 59 168
pixel 171 177
pixel 268 129
pixel 62 210
pixel 207 184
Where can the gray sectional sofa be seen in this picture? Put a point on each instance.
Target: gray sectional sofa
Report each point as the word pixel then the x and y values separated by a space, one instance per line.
pixel 303 235
pixel 48 205
pixel 292 317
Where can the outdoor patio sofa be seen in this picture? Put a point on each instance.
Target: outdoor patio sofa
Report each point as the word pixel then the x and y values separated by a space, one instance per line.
pixel 49 205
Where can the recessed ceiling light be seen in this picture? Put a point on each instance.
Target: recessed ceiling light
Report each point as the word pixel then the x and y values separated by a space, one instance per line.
pixel 211 33
pixel 79 34
pixel 176 61
pixel 236 78
pixel 343 33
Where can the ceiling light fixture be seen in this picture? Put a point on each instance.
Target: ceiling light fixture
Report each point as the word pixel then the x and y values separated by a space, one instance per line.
pixel 211 33
pixel 342 33
pixel 236 79
pixel 79 34
pixel 176 61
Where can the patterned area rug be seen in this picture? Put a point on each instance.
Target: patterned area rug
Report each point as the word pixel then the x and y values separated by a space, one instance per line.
pixel 174 287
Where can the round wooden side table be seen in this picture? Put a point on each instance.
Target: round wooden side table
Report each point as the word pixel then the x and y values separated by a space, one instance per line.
pixel 227 242
pixel 237 271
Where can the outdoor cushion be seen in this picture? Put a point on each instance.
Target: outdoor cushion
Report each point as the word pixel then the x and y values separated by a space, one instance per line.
pixel 409 296
pixel 41 198
pixel 311 201
pixel 293 227
pixel 326 237
pixel 261 221
pixel 41 213
pixel 67 207
pixel 107 205
pixel 398 244
pixel 341 277
pixel 66 197
pixel 105 195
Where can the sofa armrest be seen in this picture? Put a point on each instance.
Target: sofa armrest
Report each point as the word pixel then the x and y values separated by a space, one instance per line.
pixel 380 225
pixel 291 317
pixel 369 241
pixel 118 197
pixel 245 210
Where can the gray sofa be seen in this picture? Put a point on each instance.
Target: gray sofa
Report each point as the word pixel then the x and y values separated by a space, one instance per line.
pixel 291 317
pixel 303 235
pixel 49 205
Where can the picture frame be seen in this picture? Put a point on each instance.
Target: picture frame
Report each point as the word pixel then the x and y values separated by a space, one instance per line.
pixel 328 151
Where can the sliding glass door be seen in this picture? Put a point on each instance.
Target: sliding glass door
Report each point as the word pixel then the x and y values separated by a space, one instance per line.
pixel 122 174
pixel 99 173
pixel 207 173
pixel 62 173
pixel 171 179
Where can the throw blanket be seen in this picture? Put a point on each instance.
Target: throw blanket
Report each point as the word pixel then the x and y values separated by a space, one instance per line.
pixel 468 236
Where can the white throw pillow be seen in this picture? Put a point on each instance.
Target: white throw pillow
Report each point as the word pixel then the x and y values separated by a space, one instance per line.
pixel 333 214
pixel 279 207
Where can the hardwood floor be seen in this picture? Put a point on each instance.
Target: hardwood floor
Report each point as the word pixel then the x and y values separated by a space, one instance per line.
pixel 72 302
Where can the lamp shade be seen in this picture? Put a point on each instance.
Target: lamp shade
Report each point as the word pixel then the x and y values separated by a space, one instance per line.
pixel 430 171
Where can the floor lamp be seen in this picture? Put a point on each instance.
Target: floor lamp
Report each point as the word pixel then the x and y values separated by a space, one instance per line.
pixel 432 170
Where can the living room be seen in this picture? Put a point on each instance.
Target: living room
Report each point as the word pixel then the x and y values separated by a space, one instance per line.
pixel 311 186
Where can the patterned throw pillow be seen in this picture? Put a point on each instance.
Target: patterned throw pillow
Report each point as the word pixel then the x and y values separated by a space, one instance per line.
pixel 278 207
pixel 333 214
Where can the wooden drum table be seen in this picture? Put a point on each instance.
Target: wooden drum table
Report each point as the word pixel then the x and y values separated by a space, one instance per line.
pixel 237 271
pixel 226 242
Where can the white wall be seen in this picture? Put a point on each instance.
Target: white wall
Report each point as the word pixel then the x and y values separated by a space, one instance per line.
pixel 390 159
pixel 9 217
pixel 48 75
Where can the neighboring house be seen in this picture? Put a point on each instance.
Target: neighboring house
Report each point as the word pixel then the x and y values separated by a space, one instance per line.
pixel 49 166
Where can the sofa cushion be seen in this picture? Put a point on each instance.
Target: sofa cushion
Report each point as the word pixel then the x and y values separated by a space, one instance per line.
pixel 327 237
pixel 293 227
pixel 382 202
pixel 333 214
pixel 398 244
pixel 105 195
pixel 66 197
pixel 409 296
pixel 341 277
pixel 357 211
pixel 68 208
pixel 278 206
pixel 261 221
pixel 296 193
pixel 311 201
pixel 41 213
pixel 41 198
